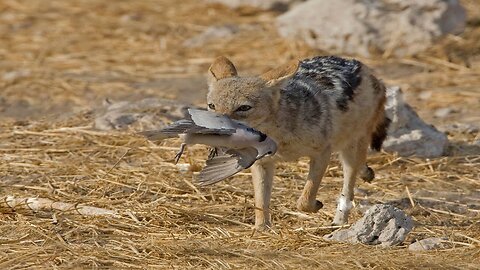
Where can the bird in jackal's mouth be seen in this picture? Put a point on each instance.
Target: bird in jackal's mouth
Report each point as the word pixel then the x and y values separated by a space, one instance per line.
pixel 236 146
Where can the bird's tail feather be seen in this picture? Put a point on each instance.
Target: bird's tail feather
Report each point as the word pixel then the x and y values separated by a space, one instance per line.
pixel 170 131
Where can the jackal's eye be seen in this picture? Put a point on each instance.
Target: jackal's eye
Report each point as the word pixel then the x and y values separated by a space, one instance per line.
pixel 211 106
pixel 243 108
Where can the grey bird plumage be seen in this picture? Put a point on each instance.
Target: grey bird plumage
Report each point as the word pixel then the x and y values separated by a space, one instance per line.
pixel 237 146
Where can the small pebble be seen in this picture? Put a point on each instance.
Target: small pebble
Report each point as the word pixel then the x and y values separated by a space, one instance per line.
pixel 183 167
pixel 427 244
pixel 425 95
pixel 443 112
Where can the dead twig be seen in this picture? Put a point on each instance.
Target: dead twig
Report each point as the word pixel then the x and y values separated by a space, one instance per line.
pixel 42 204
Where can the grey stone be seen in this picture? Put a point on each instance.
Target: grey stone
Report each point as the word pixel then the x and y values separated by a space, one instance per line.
pixel 363 27
pixel 427 244
pixel 150 113
pixel 382 225
pixel 408 134
pixel 280 5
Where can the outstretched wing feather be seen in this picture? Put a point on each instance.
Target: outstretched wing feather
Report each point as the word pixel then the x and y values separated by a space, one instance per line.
pixel 223 166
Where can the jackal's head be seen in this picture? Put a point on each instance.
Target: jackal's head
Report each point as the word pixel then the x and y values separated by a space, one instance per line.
pixel 248 99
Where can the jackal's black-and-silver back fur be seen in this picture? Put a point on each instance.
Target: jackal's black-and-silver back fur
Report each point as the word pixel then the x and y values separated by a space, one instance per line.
pixel 323 84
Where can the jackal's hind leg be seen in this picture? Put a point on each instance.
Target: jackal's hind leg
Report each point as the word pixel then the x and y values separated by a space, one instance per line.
pixel 353 158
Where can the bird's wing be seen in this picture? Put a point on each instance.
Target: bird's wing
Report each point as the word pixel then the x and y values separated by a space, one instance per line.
pixel 197 122
pixel 223 166
pixel 212 121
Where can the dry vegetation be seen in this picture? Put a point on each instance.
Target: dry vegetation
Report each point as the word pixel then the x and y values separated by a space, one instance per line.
pixel 63 57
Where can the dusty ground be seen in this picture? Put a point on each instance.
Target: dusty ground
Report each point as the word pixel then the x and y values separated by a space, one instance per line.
pixel 60 59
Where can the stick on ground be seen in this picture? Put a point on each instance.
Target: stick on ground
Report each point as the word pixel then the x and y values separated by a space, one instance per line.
pixel 42 204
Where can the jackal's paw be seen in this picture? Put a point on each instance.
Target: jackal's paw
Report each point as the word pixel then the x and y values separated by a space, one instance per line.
pixel 340 219
pixel 263 227
pixel 367 174
pixel 305 206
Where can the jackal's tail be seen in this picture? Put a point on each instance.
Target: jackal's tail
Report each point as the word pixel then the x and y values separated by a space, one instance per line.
pixel 378 136
pixel 380 121
pixel 380 133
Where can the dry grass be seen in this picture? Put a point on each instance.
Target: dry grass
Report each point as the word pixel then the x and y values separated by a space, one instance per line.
pixel 77 52
pixel 167 221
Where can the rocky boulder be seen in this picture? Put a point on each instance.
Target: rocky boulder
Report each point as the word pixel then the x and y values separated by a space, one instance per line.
pixel 408 134
pixel 382 225
pixel 363 27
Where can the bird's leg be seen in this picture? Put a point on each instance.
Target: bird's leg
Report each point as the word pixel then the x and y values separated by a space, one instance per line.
pixel 213 153
pixel 180 152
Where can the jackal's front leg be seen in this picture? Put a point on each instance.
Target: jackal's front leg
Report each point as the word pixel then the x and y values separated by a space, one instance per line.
pixel 308 200
pixel 262 176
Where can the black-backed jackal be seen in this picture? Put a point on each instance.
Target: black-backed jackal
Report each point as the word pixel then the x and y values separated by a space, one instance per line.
pixel 310 108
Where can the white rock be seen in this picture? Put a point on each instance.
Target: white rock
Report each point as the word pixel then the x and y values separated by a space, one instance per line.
pixel 408 134
pixel 427 244
pixel 393 27
pixel 443 112
pixel 382 225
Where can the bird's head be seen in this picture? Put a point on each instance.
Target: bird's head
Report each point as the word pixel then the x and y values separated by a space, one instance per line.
pixel 267 148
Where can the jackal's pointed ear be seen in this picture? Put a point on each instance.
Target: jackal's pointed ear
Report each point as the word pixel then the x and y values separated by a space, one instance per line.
pixel 221 68
pixel 280 74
